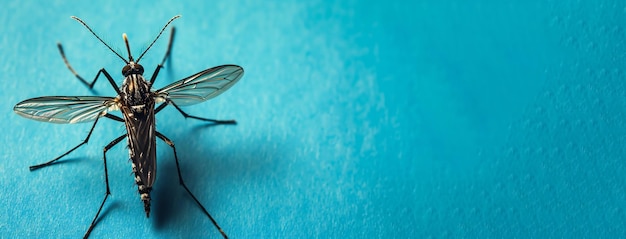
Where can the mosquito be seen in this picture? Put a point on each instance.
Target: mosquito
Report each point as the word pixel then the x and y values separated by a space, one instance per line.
pixel 137 102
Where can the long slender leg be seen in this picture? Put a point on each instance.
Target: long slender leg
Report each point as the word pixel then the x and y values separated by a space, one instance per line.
pixel 180 180
pixel 38 166
pixel 106 180
pixel 113 117
pixel 198 118
pixel 167 56
pixel 90 85
pixel 169 46
pixel 161 107
pixel 154 75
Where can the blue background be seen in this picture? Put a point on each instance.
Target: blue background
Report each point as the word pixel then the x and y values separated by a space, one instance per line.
pixel 357 119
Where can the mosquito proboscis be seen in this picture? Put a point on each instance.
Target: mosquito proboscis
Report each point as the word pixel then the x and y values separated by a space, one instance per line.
pixel 138 103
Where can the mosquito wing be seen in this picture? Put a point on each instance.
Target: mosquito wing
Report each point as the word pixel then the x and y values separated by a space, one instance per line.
pixel 65 109
pixel 201 86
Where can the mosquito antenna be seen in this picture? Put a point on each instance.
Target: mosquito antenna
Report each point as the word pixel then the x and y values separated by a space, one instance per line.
pixel 100 39
pixel 157 37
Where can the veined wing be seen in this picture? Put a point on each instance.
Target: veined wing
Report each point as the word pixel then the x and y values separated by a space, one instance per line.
pixel 202 86
pixel 65 109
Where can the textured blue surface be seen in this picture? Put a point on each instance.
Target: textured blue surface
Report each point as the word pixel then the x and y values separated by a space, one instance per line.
pixel 356 119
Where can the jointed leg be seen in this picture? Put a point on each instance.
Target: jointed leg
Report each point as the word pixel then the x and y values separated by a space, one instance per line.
pixel 106 180
pixel 169 46
pixel 38 166
pixel 191 116
pixel 180 180
pixel 90 85
pixel 113 117
pixel 167 56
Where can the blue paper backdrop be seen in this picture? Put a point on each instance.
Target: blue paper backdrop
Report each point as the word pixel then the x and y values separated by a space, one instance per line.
pixel 357 119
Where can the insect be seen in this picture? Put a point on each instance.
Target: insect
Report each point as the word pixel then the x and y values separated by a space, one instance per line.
pixel 137 102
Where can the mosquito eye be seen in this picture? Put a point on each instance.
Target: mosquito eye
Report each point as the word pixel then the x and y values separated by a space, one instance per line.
pixel 125 70
pixel 139 68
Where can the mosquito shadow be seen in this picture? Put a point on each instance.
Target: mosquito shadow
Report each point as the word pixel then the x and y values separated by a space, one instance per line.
pixel 166 194
pixel 210 125
pixel 230 164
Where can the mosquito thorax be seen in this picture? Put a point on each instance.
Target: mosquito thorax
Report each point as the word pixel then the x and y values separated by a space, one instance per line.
pixel 132 68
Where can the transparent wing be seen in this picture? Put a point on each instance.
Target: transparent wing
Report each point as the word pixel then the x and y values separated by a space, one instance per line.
pixel 202 86
pixel 65 109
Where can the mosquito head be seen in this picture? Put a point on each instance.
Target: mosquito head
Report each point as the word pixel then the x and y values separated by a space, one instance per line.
pixel 132 68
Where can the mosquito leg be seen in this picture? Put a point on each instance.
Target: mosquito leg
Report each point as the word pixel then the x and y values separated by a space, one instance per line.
pixel 90 85
pixel 106 180
pixel 169 46
pixel 180 180
pixel 67 63
pixel 113 117
pixel 200 118
pixel 161 107
pixel 38 166
pixel 109 78
pixel 154 75
pixel 165 58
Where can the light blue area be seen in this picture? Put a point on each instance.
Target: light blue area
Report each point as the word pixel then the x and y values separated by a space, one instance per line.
pixel 410 119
